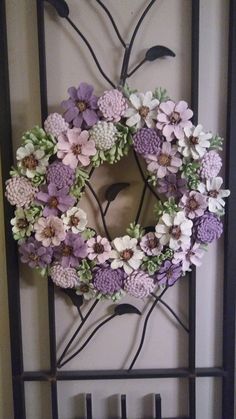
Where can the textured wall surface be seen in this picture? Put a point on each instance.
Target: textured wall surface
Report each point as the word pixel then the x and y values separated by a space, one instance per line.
pixel 68 63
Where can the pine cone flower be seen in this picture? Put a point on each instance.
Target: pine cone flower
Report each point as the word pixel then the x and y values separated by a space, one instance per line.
pixel 112 104
pixel 55 124
pixel 20 191
pixel 139 284
pixel 104 135
pixel 64 277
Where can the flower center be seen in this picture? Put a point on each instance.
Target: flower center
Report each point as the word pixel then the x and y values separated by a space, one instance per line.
pixel 53 202
pixel 84 288
pixel 143 111
pixel 192 204
pixel 22 223
pixel 74 221
pixel 164 160
pixel 30 162
pixel 193 140
pixel 172 188
pixel 81 105
pixel 169 273
pixel 127 254
pixel 49 232
pixel 175 232
pixel 76 149
pixel 213 194
pixel 33 256
pixel 98 248
pixel 175 118
pixel 152 243
pixel 67 250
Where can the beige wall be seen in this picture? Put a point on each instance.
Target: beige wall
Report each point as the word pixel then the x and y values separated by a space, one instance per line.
pixel 68 64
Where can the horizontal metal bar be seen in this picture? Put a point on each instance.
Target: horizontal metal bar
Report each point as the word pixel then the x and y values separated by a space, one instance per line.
pixel 121 374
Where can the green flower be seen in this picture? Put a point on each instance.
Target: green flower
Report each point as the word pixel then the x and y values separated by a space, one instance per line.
pixel 40 139
pixel 169 207
pixel 128 90
pixel 88 233
pixel 135 231
pixel 80 180
pixel 190 172
pixel 216 142
pixel 152 263
pixel 161 94
pixel 23 222
pixel 85 270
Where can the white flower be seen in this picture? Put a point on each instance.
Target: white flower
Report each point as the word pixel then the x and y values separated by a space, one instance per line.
pixel 104 134
pixel 86 289
pixel 126 254
pixel 22 223
pixel 143 110
pixel 189 256
pixel 174 230
pixel 75 219
pixel 31 161
pixel 216 202
pixel 194 143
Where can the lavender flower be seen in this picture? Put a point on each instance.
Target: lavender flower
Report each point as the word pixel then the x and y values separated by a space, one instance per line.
pixel 35 254
pixel 55 200
pixel 108 281
pixel 147 141
pixel 112 104
pixel 208 228
pixel 194 204
pixel 71 251
pixel 60 174
pixel 210 165
pixel 139 284
pixel 172 186
pixel 150 244
pixel 64 277
pixel 20 191
pixel 169 273
pixel 81 107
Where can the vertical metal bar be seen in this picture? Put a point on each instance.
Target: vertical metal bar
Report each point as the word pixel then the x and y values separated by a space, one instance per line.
pixel 192 276
pixel 158 406
pixel 51 299
pixel 11 247
pixel 89 410
pixel 230 224
pixel 123 407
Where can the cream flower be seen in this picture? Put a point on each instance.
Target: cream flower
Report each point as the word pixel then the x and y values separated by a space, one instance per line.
pixel 50 231
pixel 126 254
pixel 143 110
pixel 32 161
pixel 75 219
pixel 99 248
pixel 174 230
pixel 194 143
pixel 22 224
pixel 86 289
pixel 216 202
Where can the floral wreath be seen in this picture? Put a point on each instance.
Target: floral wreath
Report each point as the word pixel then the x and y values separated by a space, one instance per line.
pixel 53 169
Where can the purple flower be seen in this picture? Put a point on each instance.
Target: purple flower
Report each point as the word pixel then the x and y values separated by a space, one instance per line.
pixel 64 277
pixel 194 204
pixel 112 104
pixel 147 141
pixel 150 244
pixel 55 200
pixel 208 228
pixel 172 186
pixel 60 174
pixel 210 165
pixel 169 273
pixel 108 281
pixel 35 254
pixel 139 284
pixel 81 107
pixel 172 118
pixel 71 251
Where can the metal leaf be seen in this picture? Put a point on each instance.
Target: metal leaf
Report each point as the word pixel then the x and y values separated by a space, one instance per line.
pixel 114 189
pixel 125 309
pixel 76 299
pixel 61 7
pixel 158 51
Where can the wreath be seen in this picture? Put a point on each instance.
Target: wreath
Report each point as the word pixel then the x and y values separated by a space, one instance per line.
pixel 181 164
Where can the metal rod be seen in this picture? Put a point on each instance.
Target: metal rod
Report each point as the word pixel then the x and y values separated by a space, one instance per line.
pixel 143 176
pixel 99 326
pixel 91 51
pixel 158 406
pixel 173 313
pixel 76 333
pixel 136 68
pixel 89 412
pixel 145 327
pixel 112 21
pixel 141 203
pixel 123 406
pixel 229 304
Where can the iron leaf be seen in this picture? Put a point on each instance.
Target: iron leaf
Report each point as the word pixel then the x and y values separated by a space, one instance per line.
pixel 114 189
pixel 121 309
pixel 158 51
pixel 76 299
pixel 61 7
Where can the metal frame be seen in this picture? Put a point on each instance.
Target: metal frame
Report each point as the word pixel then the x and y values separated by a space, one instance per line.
pixel 226 372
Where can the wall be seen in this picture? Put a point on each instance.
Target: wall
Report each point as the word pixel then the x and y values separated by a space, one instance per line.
pixel 68 64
